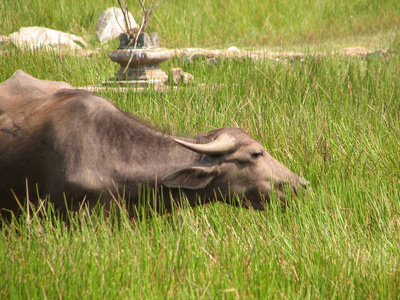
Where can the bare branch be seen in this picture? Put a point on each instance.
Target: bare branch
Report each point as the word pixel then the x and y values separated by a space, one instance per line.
pixel 142 5
pixel 126 16
pixel 134 41
pixel 158 3
pixel 148 12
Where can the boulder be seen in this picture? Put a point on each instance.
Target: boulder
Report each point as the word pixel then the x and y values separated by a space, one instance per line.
pixel 186 77
pixel 111 24
pixel 41 37
pixel 176 75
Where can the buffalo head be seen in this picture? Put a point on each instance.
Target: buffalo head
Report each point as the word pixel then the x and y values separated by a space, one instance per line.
pixel 232 163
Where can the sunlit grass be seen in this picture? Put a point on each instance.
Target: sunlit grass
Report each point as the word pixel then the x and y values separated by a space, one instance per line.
pixel 333 119
pixel 245 24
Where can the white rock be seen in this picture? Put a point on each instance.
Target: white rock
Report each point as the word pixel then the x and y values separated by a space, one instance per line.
pixel 38 37
pixel 232 48
pixel 111 24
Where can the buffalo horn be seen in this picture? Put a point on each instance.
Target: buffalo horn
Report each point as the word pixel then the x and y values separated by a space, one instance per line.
pixel 221 145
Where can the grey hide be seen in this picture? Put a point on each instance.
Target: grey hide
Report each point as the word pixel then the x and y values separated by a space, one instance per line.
pixel 66 143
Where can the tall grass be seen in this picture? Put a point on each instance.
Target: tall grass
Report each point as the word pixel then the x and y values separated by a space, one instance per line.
pixel 333 119
pixel 222 23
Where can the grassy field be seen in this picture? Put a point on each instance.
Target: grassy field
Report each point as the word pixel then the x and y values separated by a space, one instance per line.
pixel 282 24
pixel 333 119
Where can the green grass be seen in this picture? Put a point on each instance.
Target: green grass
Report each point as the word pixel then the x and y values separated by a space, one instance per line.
pixel 333 119
pixel 279 24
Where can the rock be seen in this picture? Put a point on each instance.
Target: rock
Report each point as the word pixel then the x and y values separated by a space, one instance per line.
pixel 233 48
pixel 186 77
pixel 378 52
pixel 41 37
pixel 111 24
pixel 176 75
pixel 212 61
pixel 354 51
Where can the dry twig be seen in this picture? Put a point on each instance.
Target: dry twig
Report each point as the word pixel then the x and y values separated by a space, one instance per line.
pixel 148 12
pixel 124 9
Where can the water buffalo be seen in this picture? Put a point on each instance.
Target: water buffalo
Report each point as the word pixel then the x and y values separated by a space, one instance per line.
pixel 74 146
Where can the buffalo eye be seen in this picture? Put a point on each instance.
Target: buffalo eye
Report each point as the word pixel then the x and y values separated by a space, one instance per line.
pixel 256 154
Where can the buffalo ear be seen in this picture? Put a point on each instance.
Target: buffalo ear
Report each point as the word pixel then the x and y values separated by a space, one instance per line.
pixel 193 177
